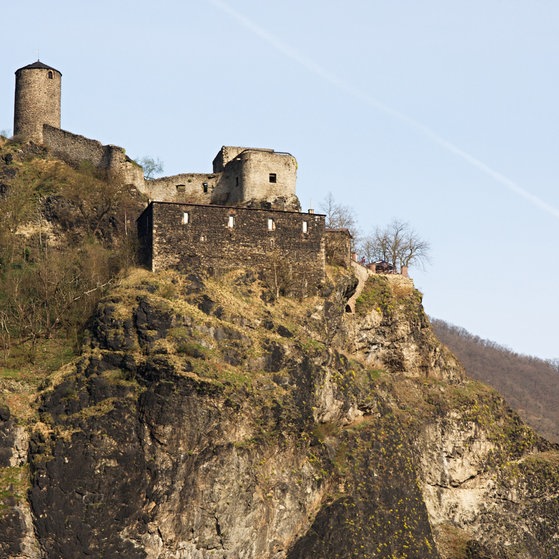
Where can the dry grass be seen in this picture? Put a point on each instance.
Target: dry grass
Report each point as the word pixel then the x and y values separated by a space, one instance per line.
pixel 25 369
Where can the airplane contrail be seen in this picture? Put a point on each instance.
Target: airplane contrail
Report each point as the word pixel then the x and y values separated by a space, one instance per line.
pixel 357 93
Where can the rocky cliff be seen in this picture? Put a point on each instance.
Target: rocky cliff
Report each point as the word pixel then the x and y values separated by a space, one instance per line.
pixel 205 420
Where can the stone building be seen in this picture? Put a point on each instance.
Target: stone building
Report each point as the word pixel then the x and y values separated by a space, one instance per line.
pixel 250 177
pixel 37 100
pixel 286 248
pixel 245 213
pixel 37 118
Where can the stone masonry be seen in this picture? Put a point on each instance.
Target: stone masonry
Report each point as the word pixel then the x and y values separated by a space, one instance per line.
pixel 37 100
pixel 286 248
pixel 250 177
pixel 78 150
pixel 243 214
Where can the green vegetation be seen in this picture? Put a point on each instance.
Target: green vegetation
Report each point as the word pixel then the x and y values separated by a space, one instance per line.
pixel 377 296
pixel 14 482
pixel 529 384
pixel 389 296
pixel 239 370
pixel 63 241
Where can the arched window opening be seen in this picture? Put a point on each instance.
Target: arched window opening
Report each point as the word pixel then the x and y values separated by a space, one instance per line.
pixel 50 75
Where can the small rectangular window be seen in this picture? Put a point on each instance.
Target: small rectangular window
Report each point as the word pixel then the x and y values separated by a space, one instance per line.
pixel 181 187
pixel 273 177
pixel 185 218
pixel 271 224
pixel 305 226
pixel 231 221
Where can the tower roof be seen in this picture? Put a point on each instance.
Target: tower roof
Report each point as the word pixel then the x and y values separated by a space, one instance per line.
pixel 38 66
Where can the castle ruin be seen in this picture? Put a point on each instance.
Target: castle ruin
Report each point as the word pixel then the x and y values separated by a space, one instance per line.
pixel 244 213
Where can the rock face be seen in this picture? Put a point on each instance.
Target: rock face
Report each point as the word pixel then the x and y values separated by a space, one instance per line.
pixel 205 421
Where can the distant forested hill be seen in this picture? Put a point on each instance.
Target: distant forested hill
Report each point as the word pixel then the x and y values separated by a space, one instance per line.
pixel 530 385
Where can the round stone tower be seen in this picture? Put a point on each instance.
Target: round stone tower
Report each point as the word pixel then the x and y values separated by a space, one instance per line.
pixel 37 100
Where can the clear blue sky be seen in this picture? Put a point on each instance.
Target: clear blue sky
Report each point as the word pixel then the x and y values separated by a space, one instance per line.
pixel 443 114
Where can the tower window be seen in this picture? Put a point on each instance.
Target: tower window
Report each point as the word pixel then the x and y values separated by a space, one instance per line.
pixel 231 221
pixel 273 177
pixel 50 75
pixel 271 224
pixel 205 187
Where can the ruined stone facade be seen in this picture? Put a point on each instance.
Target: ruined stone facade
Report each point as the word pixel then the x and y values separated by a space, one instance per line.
pixel 250 177
pixel 243 214
pixel 285 248
pixel 77 150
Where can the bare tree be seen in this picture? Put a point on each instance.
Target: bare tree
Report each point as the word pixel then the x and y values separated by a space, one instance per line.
pixel 152 166
pixel 339 216
pixel 398 244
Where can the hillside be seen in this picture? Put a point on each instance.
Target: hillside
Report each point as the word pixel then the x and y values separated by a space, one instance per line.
pixel 530 385
pixel 177 415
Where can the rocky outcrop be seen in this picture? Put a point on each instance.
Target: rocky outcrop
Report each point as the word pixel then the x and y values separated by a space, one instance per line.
pixel 16 526
pixel 204 421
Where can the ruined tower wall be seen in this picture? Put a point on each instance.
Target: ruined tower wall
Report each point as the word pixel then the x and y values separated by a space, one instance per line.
pixel 37 101
pixel 256 177
pixel 225 155
pixel 77 150
pixel 267 176
pixel 192 188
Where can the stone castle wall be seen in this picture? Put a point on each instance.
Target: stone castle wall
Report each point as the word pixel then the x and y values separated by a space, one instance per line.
pixel 253 178
pixel 258 178
pixel 192 188
pixel 228 153
pixel 262 175
pixel 77 150
pixel 337 245
pixel 288 246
